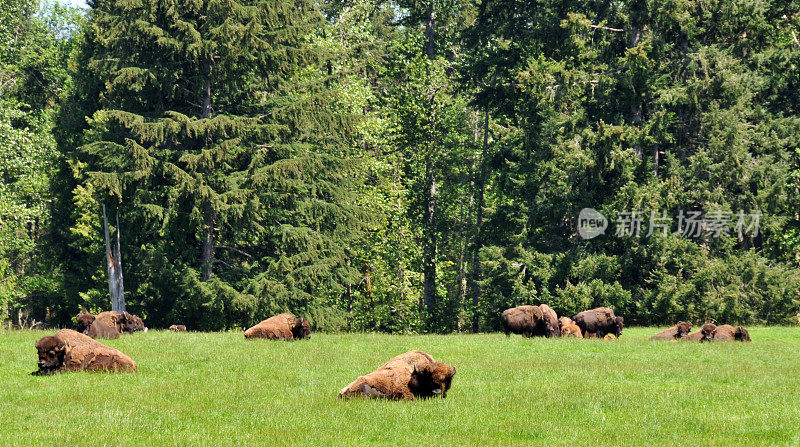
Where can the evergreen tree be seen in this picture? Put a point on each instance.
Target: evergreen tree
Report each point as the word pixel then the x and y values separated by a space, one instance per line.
pixel 215 144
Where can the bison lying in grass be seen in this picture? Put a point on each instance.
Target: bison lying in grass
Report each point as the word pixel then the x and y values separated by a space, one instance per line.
pixel 726 332
pixel 126 323
pixel 676 332
pixel 413 374
pixel 706 333
pixel 177 328
pixel 99 329
pixel 281 327
pixel 599 321
pixel 571 331
pixel 85 320
pixel 69 350
pixel 109 324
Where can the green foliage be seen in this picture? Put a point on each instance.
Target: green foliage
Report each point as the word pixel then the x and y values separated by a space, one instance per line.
pixel 398 166
pixel 35 41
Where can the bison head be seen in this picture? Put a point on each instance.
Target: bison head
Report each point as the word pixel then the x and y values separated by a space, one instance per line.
pixel 131 323
pixel 431 379
pixel 741 334
pixel 85 320
pixel 301 329
pixel 708 331
pixel 619 323
pixel 683 329
pixel 551 330
pixel 51 354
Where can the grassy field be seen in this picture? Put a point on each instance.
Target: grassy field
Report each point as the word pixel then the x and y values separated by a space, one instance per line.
pixel 218 389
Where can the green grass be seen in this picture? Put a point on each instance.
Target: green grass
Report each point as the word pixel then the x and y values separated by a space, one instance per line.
pixel 218 389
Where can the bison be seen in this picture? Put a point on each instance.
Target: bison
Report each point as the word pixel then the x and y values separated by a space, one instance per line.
pixel 281 327
pixel 599 321
pixel 565 321
pixel 177 328
pixel 610 337
pixel 551 324
pixel 69 350
pixel 678 331
pixel 571 331
pixel 411 375
pixel 124 322
pixel 99 329
pixel 85 320
pixel 726 332
pixel 530 321
pixel 706 333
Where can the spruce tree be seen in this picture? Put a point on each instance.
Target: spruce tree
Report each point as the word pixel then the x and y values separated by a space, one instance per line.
pixel 214 141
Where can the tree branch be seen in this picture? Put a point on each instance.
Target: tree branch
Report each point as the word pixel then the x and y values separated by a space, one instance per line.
pixel 234 249
pixel 616 30
pixel 223 263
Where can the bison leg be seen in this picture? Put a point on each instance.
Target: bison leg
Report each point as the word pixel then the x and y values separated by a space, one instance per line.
pixel 371 391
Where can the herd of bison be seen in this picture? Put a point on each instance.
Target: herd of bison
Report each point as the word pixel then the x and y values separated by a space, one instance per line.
pixel 413 374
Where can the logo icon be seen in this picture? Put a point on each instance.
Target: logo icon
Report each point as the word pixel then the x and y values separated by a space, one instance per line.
pixel 591 223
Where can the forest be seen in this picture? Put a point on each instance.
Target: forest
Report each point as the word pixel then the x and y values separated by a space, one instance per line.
pixel 401 166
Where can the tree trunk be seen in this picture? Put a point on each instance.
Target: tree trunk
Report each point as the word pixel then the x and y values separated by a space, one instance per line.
pixel 116 289
pixel 636 109
pixel 118 259
pixel 207 251
pixel 429 255
pixel 430 32
pixel 480 180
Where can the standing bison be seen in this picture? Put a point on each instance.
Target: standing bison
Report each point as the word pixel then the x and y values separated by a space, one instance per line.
pixel 281 327
pixel 411 375
pixel 599 321
pixel 706 333
pixel 676 332
pixel 552 327
pixel 69 350
pixel 530 321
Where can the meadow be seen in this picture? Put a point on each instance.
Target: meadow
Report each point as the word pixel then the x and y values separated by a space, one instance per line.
pixel 219 389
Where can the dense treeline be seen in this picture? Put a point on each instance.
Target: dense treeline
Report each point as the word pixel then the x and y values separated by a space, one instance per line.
pixel 401 165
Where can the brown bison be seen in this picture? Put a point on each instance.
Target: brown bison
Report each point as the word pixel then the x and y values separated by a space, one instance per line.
pixel 571 331
pixel 124 322
pixel 177 328
pixel 85 320
pixel 551 324
pixel 99 329
pixel 610 337
pixel 678 331
pixel 69 350
pixel 413 374
pixel 706 333
pixel 281 327
pixel 599 321
pixel 726 332
pixel 529 321
pixel 565 321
